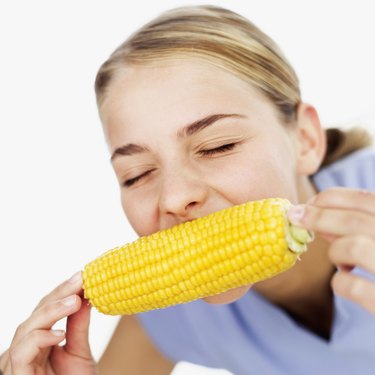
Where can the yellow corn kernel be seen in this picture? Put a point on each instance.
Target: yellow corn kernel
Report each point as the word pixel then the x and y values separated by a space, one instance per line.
pixel 233 247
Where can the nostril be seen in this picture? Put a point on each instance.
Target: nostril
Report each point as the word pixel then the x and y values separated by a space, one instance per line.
pixel 191 205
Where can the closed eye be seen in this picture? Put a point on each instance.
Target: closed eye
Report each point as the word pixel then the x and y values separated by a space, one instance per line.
pixel 132 181
pixel 218 150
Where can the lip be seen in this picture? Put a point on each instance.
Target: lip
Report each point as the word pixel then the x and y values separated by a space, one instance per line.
pixel 203 215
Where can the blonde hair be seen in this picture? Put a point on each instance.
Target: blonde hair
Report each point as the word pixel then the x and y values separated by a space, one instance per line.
pixel 222 38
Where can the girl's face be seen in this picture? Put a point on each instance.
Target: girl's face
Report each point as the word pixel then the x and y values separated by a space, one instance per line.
pixel 188 139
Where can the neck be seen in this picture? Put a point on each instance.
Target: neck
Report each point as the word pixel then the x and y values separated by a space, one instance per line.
pixel 304 291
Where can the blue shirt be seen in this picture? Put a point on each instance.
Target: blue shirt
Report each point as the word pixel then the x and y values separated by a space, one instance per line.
pixel 253 336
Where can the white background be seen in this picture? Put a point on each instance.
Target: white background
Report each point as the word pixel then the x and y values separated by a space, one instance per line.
pixel 59 201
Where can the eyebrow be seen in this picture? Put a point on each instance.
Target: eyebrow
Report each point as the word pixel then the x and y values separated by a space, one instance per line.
pixel 129 149
pixel 186 131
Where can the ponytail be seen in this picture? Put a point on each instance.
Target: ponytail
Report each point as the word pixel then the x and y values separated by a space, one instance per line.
pixel 342 142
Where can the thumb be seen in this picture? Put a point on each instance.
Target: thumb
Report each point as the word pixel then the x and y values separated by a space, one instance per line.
pixel 77 332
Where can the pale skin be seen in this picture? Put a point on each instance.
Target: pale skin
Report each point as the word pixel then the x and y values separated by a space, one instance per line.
pixel 176 175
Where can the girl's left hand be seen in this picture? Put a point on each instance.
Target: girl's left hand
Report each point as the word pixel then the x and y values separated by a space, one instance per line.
pixel 345 217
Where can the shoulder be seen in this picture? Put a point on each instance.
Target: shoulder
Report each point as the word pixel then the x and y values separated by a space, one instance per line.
pixel 356 170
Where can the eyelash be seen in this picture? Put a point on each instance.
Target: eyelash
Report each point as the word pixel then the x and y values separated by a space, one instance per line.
pixel 218 150
pixel 209 152
pixel 132 181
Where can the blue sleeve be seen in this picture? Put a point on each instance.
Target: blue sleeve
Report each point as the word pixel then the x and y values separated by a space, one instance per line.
pixel 356 170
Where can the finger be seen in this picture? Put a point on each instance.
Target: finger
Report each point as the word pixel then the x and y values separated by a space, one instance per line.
pixel 4 358
pixel 354 251
pixel 329 221
pixel 67 288
pixel 346 198
pixel 5 363
pixel 24 353
pixel 77 332
pixel 355 288
pixel 46 316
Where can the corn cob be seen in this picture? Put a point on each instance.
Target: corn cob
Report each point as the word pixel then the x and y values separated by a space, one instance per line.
pixel 233 247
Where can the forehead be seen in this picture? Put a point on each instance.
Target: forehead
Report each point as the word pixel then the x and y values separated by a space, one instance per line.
pixel 141 99
pixel 176 84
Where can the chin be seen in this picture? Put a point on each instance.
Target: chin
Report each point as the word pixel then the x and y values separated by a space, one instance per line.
pixel 229 296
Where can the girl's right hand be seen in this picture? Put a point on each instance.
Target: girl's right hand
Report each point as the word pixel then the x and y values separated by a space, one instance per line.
pixel 34 348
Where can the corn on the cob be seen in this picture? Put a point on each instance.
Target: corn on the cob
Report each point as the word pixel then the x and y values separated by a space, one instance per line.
pixel 233 247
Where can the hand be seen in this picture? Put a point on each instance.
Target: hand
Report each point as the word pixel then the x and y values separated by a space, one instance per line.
pixel 346 218
pixel 34 348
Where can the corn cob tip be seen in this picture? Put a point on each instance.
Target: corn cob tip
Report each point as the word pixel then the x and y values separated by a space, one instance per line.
pixel 297 238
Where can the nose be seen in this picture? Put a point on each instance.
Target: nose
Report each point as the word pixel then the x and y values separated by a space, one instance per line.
pixel 182 196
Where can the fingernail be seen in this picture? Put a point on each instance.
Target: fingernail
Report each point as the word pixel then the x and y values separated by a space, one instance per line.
pixel 69 301
pixel 57 332
pixel 75 278
pixel 296 213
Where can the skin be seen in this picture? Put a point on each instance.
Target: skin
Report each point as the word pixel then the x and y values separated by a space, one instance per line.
pixel 34 348
pixel 184 178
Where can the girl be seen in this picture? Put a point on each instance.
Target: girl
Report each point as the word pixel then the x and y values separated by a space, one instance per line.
pixel 202 111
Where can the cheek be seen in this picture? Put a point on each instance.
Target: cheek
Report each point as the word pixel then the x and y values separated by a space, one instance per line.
pixel 139 214
pixel 257 177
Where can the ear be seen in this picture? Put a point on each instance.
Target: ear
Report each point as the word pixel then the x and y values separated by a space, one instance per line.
pixel 311 139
